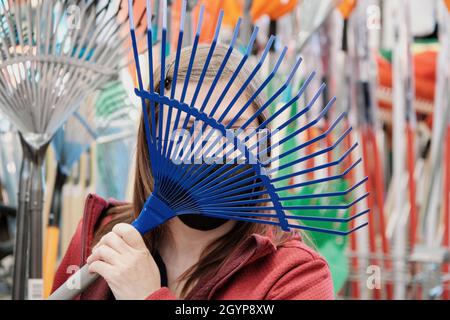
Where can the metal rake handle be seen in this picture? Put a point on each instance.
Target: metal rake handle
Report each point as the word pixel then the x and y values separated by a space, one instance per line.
pixel 66 292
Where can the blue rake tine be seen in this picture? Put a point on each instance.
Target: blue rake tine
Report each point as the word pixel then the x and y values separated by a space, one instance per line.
pixel 243 87
pixel 276 94
pixel 311 141
pixel 321 180
pixel 296 116
pixel 291 217
pixel 188 73
pixel 203 74
pixel 305 127
pixel 328 207
pixel 291 208
pixel 312 155
pixel 316 168
pixel 163 74
pixel 302 227
pixel 234 76
pixel 229 200
pixel 150 146
pixel 229 107
pixel 287 105
pixel 228 182
pixel 326 194
pixel 294 208
pixel 340 220
pixel 166 152
pixel 175 73
pixel 268 102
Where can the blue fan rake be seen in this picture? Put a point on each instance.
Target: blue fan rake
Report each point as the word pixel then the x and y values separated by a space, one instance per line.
pixel 242 182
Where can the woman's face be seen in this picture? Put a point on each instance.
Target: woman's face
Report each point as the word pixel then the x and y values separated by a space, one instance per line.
pixel 212 147
pixel 214 144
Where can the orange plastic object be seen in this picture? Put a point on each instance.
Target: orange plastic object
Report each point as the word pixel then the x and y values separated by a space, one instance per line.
pixel 346 7
pixel 424 78
pixel 211 14
pixel 274 8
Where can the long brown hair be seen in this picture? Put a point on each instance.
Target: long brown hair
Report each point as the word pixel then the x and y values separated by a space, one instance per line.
pixel 216 253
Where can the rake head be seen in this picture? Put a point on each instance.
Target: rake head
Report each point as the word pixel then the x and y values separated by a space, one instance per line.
pixel 103 114
pixel 213 154
pixel 52 55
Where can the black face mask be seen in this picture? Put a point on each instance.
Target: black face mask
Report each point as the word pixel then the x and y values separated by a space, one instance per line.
pixel 200 222
pixel 206 223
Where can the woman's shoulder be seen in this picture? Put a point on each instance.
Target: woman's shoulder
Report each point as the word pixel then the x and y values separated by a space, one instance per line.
pixel 293 270
pixel 297 249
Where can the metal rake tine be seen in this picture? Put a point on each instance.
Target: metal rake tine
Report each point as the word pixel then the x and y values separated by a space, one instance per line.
pixel 163 76
pixel 231 80
pixel 339 220
pixel 235 186
pixel 18 14
pixel 208 58
pixel 276 94
pixel 243 87
pixel 266 104
pixel 238 70
pixel 86 125
pixel 150 137
pixel 321 180
pixel 299 207
pixel 204 70
pixel 229 196
pixel 223 64
pixel 193 53
pixel 310 156
pixel 253 74
pixel 226 200
pixel 167 149
pixel 326 194
pixel 290 217
pixel 293 118
pixel 329 231
pixel 302 227
pixel 328 207
pixel 168 146
pixel 189 70
pixel 322 136
pixel 219 73
pixel 261 88
pixel 316 168
pixel 150 146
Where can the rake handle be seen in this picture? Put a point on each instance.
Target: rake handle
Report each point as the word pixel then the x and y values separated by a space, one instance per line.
pixel 80 280
pixel 154 213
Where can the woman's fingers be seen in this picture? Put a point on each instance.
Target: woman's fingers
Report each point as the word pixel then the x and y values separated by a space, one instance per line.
pixel 130 235
pixel 102 268
pixel 115 242
pixel 104 253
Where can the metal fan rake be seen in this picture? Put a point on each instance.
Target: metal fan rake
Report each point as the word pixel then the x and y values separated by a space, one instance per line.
pixel 202 164
pixel 52 55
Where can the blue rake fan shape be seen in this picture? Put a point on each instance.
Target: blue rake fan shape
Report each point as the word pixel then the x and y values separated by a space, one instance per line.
pixel 245 188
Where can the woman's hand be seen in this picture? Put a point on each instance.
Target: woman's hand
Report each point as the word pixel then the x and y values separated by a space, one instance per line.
pixel 123 260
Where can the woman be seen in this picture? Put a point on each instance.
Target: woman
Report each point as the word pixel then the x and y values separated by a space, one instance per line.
pixel 191 257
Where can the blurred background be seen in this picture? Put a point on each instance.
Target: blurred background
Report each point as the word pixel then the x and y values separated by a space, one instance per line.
pixel 386 61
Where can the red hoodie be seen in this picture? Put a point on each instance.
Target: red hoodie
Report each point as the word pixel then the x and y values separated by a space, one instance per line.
pixel 256 270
